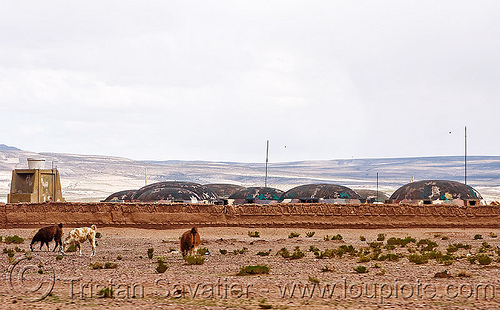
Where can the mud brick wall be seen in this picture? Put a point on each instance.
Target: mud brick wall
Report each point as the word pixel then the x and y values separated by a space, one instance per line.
pixel 33 215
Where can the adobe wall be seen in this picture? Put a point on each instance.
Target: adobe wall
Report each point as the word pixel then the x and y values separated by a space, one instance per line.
pixel 34 215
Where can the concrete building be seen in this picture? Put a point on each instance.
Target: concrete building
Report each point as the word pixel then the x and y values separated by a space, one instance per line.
pixel 257 195
pixel 35 184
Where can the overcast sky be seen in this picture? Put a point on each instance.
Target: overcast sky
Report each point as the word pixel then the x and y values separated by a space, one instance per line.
pixel 213 80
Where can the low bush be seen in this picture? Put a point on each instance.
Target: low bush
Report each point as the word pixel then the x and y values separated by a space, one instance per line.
pixel 327 269
pixel 222 251
pixel 202 251
pixel 418 259
pixel 106 292
pixel 478 236
pixel 161 267
pixel 194 259
pixel 314 280
pixel 293 235
pixel 483 259
pixel 241 251
pixel 264 253
pixel 151 252
pixel 362 238
pixel 361 269
pixel 96 265
pixel 14 239
pixel 250 270
pixel 108 265
pixel 254 234
pixel 309 234
pixel 380 237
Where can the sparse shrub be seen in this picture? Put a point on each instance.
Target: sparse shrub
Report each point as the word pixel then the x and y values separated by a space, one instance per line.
pixel 478 236
pixel 249 270
pixel 327 269
pixel 310 234
pixel 445 238
pixel 98 235
pixel 483 259
pixel 106 292
pixel 427 245
pixel 297 253
pixel 14 239
pixel 151 251
pixel 18 249
pixel 161 267
pixel 293 235
pixel 442 275
pixel 418 259
pixel 194 259
pixel 313 249
pixel 437 235
pixel 71 248
pixel 264 305
pixel 326 238
pixel 314 280
pixel 108 265
pixel 389 256
pixel 364 259
pixel 223 251
pixel 491 234
pixel 264 253
pixel 389 247
pixel 284 253
pixel 59 257
pixel 1 239
pixel 96 265
pixel 242 251
pixel 337 237
pixel 254 234
pixel 202 251
pixel 119 257
pixel 380 237
pixel 399 241
pixel 9 252
pixel 361 269
pixel 463 274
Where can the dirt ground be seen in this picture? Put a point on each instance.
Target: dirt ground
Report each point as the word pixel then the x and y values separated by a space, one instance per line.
pixel 46 282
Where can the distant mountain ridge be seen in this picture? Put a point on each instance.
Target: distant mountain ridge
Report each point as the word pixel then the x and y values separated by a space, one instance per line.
pixel 93 177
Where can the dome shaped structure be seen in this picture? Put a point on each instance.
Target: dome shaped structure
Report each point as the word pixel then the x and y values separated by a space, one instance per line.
pixel 436 192
pixel 371 195
pixel 224 190
pixel 170 194
pixel 121 196
pixel 326 193
pixel 258 195
pixel 176 192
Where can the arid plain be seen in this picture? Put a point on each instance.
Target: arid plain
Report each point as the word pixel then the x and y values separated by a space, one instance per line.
pixel 405 269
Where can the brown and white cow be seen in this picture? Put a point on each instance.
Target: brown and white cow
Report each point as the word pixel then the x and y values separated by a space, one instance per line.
pixel 78 236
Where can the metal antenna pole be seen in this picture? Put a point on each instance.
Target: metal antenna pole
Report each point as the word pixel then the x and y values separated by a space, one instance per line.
pixel 377 186
pixel 267 160
pixel 465 159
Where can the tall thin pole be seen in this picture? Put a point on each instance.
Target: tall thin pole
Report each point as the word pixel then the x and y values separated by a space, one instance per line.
pixel 377 186
pixel 267 160
pixel 465 158
pixel 145 176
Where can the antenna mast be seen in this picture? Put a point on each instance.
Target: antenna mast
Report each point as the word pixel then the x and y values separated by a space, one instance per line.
pixel 267 160
pixel 465 158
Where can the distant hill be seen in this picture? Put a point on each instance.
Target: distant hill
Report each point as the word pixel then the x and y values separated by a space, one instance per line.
pixel 4 147
pixel 92 178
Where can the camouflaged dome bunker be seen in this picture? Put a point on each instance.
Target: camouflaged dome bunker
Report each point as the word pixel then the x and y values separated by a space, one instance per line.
pixel 258 195
pixel 436 192
pixel 321 193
